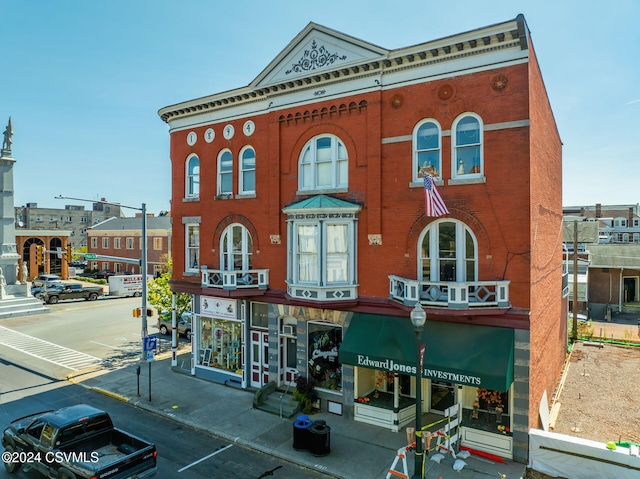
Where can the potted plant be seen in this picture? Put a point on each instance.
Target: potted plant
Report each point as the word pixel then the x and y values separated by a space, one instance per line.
pixel 305 393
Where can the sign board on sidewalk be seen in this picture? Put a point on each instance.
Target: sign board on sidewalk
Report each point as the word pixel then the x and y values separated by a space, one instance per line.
pixel 150 343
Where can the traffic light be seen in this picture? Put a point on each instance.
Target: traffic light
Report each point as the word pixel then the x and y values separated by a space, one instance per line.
pixel 39 255
pixel 69 254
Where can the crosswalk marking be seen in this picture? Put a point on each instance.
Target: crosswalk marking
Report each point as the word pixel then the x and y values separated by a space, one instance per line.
pixel 47 351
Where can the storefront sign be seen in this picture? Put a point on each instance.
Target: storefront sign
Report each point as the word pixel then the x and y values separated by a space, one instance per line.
pixel 400 368
pixel 217 308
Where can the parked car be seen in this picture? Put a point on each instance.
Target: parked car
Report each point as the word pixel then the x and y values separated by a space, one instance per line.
pixel 103 274
pixel 183 324
pixel 45 279
pixel 76 442
pixel 64 291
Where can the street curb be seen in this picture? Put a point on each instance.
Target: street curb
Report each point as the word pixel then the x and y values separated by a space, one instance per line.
pixel 220 434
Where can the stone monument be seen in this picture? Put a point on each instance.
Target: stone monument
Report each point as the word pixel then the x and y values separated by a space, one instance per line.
pixel 15 297
pixel 8 254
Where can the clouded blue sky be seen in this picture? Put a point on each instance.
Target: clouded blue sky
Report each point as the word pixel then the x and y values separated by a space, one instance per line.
pixel 83 81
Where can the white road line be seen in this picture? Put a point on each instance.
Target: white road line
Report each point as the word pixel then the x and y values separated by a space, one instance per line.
pixel 47 351
pixel 205 458
pixel 105 345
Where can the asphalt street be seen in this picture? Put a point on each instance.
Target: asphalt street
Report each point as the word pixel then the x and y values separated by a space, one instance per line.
pixel 183 452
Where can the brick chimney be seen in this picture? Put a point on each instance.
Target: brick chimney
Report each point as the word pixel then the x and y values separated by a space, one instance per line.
pixel 598 210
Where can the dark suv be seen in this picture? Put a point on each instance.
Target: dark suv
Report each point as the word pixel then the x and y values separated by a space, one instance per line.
pixel 103 274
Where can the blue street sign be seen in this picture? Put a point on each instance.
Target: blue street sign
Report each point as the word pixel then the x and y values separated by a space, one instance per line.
pixel 150 343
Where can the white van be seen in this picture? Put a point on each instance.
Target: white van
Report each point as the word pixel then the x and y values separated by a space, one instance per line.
pixel 125 285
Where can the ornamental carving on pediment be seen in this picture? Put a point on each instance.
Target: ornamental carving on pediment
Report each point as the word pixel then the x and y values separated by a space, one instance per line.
pixel 317 57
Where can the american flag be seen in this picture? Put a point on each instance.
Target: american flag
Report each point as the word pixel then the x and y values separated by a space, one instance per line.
pixel 433 204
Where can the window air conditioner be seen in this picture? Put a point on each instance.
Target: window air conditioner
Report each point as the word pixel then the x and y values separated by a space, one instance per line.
pixel 288 329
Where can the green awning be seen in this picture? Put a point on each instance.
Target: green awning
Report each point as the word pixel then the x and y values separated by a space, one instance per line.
pixel 478 356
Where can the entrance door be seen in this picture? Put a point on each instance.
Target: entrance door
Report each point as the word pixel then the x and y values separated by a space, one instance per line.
pixel 443 395
pixel 287 364
pixel 630 288
pixel 259 358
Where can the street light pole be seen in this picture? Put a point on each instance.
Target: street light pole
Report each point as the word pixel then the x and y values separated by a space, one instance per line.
pixel 418 318
pixel 143 261
pixel 143 267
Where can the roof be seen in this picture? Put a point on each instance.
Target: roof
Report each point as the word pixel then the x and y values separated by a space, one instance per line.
pixel 319 56
pixel 321 203
pixel 115 224
pixel 70 415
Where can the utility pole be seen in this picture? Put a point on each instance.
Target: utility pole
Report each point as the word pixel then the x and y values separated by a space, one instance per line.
pixel 574 333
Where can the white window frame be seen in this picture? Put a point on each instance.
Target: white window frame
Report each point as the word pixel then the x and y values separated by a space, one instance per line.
pixel 157 243
pixel 129 242
pixel 94 242
pixel 321 278
pixel 246 171
pixel 192 247
pixel 620 223
pixel 455 148
pixel 192 175
pixel 117 243
pixel 309 164
pixel 230 252
pixel 222 174
pixel 417 164
pixel 461 260
pixel 105 243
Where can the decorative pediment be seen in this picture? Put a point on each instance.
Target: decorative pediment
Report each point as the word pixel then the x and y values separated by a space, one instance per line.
pixel 317 50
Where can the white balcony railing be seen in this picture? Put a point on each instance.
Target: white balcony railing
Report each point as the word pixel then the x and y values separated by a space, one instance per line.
pixel 248 278
pixel 445 294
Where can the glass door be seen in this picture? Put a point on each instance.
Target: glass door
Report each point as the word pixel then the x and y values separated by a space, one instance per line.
pixel 442 396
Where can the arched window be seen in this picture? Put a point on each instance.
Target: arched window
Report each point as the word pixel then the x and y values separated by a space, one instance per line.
pixel 323 164
pixel 236 248
pixel 247 176
pixel 467 150
pixel 225 172
pixel 193 177
pixel 448 251
pixel 427 153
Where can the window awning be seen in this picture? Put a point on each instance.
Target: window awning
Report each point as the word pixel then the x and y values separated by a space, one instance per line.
pixel 478 356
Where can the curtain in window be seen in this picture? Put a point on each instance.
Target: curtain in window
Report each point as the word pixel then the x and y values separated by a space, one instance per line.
pixel 308 253
pixel 193 247
pixel 337 253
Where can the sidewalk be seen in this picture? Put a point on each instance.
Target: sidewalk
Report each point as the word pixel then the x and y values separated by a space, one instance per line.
pixel 358 451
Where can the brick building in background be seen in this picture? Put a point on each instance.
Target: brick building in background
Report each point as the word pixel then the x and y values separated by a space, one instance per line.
pixel 122 237
pixel 301 229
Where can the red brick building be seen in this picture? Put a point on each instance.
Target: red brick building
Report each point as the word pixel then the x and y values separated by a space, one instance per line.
pixel 301 229
pixel 118 238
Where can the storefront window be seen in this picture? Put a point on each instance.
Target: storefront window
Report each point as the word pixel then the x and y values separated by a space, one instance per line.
pixel 488 412
pixel 324 368
pixel 259 315
pixel 220 344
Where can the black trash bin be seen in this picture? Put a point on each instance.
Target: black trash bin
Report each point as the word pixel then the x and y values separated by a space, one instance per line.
pixel 301 433
pixel 319 438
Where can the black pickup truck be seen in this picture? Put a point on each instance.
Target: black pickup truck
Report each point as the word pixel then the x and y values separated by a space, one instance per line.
pixel 76 442
pixel 62 291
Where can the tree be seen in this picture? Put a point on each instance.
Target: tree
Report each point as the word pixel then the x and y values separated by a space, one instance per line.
pixel 159 294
